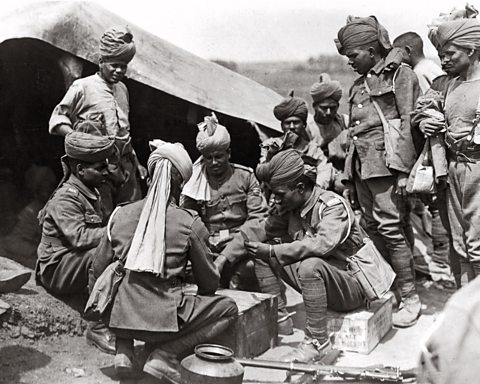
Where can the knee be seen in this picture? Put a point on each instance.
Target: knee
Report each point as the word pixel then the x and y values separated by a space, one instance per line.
pixel 228 307
pixel 312 268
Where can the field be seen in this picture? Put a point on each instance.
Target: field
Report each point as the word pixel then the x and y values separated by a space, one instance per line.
pixel 300 76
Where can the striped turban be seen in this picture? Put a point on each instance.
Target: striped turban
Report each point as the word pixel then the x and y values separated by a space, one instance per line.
pixel 463 33
pixel 326 89
pixel 291 106
pixel 360 32
pixel 117 44
pixel 282 170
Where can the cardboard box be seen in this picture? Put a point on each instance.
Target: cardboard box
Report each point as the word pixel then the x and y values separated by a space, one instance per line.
pixel 361 330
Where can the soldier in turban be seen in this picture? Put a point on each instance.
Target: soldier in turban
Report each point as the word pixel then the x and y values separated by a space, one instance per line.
pixel 154 239
pixel 73 222
pixel 317 226
pixel 87 107
pixel 457 38
pixel 328 124
pixel 231 204
pixel 381 153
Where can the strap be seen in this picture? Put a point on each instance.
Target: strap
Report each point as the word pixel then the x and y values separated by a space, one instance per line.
pixel 349 216
pixel 109 234
pixel 377 107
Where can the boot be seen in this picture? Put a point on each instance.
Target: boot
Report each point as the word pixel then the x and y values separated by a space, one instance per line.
pixel 408 312
pixel 308 350
pixel 163 366
pixel 101 337
pixel 186 343
pixel 124 362
pixel 11 281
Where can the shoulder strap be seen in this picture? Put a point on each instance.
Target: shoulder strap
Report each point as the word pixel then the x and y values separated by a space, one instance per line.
pixel 349 216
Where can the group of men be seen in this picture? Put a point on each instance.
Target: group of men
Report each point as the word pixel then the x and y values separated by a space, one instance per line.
pixel 219 223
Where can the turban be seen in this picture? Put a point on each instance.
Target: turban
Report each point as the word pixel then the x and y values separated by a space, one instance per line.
pixel 326 89
pixel 361 31
pixel 175 152
pixel 291 106
pixel 148 250
pixel 212 136
pixel 117 44
pixel 283 169
pixel 88 148
pixel 464 33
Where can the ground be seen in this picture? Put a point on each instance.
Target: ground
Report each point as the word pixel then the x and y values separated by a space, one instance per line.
pixel 42 341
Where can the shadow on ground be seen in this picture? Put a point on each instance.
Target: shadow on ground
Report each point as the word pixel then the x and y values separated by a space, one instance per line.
pixel 17 359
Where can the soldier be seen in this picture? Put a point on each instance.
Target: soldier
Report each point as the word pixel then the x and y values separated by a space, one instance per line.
pixel 228 198
pixel 322 233
pixel 99 104
pixel 73 222
pixel 155 238
pixel 378 164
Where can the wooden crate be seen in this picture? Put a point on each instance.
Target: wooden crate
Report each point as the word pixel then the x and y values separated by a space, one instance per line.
pixel 255 329
pixel 361 330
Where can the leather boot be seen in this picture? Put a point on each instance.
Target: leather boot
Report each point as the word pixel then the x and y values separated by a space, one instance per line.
pixel 187 342
pixel 408 312
pixel 124 362
pixel 101 337
pixel 163 366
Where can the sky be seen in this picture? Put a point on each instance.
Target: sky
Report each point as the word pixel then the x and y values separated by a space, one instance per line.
pixel 268 30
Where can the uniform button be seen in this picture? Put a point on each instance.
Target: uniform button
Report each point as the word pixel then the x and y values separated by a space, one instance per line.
pixel 360 105
pixel 355 138
pixel 369 75
pixel 362 92
pixel 357 122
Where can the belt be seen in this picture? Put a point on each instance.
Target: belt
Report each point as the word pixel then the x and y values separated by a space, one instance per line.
pixel 464 157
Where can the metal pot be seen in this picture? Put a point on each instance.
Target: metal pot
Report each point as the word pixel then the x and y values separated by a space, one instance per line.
pixel 212 364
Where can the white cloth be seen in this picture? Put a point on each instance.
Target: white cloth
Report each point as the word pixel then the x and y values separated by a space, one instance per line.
pixel 197 187
pixel 426 71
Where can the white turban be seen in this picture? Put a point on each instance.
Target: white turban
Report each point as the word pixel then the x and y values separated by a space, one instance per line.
pixel 212 136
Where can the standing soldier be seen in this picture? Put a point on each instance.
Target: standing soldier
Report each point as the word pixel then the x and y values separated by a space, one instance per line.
pixel 99 104
pixel 378 162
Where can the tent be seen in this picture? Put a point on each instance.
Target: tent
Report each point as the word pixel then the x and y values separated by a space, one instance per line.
pixel 170 89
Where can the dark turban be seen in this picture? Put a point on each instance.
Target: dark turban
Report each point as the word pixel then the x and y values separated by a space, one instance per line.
pixel 283 169
pixel 88 148
pixel 464 33
pixel 117 44
pixel 291 106
pixel 326 89
pixel 361 31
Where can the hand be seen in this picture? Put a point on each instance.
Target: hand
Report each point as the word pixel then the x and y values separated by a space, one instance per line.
pixel 258 250
pixel 431 127
pixel 349 195
pixel 401 184
pixel 220 262
pixel 142 171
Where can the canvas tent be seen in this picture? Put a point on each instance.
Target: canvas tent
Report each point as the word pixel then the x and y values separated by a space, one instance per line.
pixel 170 89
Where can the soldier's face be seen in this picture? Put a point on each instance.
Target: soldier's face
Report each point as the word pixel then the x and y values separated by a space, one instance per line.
pixel 288 199
pixel 112 72
pixel 217 162
pixel 361 60
pixel 294 124
pixel 93 175
pixel 455 60
pixel 325 111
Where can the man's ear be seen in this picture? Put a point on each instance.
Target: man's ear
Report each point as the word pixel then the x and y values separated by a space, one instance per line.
pixel 300 187
pixel 80 169
pixel 408 49
pixel 229 151
pixel 372 51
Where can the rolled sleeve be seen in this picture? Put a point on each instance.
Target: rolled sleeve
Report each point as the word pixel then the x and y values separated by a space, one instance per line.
pixel 63 112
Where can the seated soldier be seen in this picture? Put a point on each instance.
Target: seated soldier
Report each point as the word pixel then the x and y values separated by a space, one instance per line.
pixel 229 200
pixel 73 223
pixel 292 113
pixel 155 239
pixel 322 235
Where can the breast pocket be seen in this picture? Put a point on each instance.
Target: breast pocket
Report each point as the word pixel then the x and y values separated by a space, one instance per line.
pixel 238 204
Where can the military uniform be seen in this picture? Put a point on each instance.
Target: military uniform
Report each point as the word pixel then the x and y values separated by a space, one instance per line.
pixel 156 309
pixel 323 234
pixel 366 164
pixel 72 225
pixel 236 204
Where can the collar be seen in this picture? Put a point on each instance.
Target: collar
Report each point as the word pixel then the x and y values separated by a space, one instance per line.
pixel 312 200
pixel 101 80
pixel 77 183
pixel 390 63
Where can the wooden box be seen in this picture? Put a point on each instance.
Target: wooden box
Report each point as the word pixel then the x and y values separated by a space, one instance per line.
pixel 361 330
pixel 255 329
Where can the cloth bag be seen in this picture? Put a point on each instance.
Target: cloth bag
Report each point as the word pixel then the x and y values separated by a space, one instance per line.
pixel 104 291
pixel 371 270
pixel 422 176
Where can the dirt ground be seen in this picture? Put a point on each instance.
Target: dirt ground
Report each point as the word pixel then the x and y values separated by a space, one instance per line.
pixel 42 342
